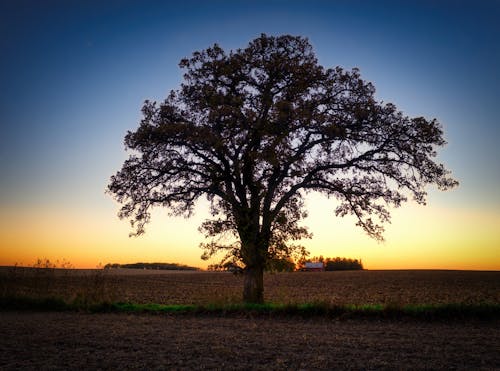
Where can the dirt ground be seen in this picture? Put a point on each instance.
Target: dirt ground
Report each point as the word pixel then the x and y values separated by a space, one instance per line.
pixel 348 287
pixel 123 341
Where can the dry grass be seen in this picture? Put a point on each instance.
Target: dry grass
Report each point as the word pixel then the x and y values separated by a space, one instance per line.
pixel 339 288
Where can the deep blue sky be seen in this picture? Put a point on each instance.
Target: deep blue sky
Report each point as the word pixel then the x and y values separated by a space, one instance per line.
pixel 74 74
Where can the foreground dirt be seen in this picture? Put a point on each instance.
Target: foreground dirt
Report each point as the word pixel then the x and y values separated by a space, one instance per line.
pixel 121 341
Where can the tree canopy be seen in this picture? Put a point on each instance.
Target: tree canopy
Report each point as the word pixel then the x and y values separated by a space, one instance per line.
pixel 257 128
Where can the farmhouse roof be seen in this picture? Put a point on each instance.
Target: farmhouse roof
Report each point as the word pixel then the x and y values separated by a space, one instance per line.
pixel 314 265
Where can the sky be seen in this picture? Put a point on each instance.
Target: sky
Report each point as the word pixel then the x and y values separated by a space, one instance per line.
pixel 74 76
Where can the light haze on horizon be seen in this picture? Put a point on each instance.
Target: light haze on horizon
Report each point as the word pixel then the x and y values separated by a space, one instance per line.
pixel 74 76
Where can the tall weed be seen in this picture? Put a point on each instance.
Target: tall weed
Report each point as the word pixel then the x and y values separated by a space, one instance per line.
pixel 45 280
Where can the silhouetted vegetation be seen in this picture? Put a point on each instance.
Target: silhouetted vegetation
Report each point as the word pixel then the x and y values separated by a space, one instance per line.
pixel 342 264
pixel 272 265
pixel 228 266
pixel 280 265
pixel 45 282
pixel 155 266
pixel 335 264
pixel 254 130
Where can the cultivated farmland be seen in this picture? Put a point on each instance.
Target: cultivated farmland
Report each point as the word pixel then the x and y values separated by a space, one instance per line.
pixel 72 340
pixel 340 288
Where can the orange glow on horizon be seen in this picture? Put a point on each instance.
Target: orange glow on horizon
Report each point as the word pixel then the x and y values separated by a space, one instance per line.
pixel 418 238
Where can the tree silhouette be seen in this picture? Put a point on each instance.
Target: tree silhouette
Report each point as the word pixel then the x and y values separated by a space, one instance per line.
pixel 255 129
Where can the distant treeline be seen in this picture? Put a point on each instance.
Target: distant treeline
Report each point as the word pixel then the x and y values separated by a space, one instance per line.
pixel 273 265
pixel 288 265
pixel 343 264
pixel 155 266
pixel 337 264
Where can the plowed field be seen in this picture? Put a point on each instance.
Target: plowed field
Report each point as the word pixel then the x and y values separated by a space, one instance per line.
pixel 33 340
pixel 65 341
pixel 348 287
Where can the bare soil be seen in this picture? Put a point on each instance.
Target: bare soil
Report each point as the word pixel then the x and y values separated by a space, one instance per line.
pixel 50 340
pixel 348 287
pixel 123 341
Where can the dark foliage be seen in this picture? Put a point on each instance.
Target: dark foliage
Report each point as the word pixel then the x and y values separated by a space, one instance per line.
pixel 342 264
pixel 272 265
pixel 254 130
pixel 334 264
pixel 280 265
pixel 156 266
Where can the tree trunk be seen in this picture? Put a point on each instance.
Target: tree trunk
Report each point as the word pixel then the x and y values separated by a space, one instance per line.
pixel 253 286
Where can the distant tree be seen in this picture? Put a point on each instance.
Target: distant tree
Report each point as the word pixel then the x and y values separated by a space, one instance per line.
pixel 155 266
pixel 319 259
pixel 232 267
pixel 280 265
pixel 255 129
pixel 343 264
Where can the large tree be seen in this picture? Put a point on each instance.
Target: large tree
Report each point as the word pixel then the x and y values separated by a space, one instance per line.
pixel 254 130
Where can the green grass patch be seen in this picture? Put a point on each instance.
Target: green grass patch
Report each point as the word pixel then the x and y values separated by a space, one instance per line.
pixel 482 311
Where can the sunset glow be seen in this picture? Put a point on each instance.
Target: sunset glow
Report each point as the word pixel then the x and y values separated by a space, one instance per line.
pixel 74 79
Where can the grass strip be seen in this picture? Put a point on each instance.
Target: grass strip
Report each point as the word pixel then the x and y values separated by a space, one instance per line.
pixel 483 311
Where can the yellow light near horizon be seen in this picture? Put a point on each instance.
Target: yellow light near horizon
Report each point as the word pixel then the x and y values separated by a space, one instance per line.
pixel 419 237
pixel 87 239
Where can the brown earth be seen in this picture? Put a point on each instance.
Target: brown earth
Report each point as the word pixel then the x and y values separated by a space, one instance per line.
pixel 123 341
pixel 348 287
pixel 33 340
